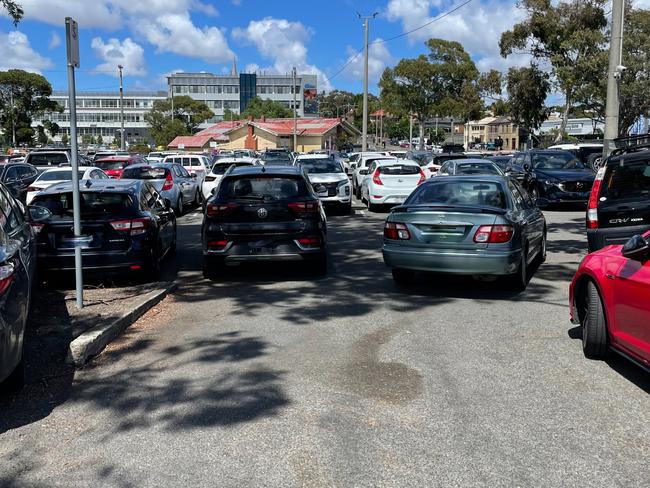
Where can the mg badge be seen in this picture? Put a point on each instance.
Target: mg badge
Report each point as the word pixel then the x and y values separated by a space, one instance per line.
pixel 262 213
pixel 579 185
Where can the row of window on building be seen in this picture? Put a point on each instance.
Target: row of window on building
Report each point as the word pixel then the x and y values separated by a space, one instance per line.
pixel 217 104
pixel 94 117
pixel 262 89
pixel 108 103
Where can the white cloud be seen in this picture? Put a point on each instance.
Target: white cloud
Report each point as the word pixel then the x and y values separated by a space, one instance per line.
pixel 113 52
pixel 477 26
pixel 55 41
pixel 378 58
pixel 284 43
pixel 16 53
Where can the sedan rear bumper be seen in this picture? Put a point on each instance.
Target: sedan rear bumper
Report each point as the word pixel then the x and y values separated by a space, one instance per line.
pixel 92 261
pixel 464 262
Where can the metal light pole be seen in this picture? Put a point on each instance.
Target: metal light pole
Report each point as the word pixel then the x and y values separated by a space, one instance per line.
pixel 364 140
pixel 613 77
pixel 72 45
pixel 295 114
pixel 119 66
pixel 410 132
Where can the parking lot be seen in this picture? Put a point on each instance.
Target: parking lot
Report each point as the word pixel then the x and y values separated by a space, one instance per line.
pixel 271 377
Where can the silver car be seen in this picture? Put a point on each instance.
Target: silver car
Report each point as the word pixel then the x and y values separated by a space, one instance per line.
pixel 328 179
pixel 172 181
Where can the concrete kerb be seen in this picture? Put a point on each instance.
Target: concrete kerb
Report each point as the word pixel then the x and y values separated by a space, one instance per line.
pixel 94 340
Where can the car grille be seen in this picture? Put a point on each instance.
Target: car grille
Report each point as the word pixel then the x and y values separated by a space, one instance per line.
pixel 575 186
pixel 331 188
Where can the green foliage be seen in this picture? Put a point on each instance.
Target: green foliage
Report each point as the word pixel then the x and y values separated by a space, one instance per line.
pixel 117 140
pixel 230 115
pixel 337 102
pixel 527 90
pixel 52 127
pixel 396 128
pixel 23 96
pixel 86 139
pixel 14 10
pixel 139 148
pixel 41 136
pixel 65 139
pixel 188 114
pixel 100 139
pixel 268 108
pixel 438 136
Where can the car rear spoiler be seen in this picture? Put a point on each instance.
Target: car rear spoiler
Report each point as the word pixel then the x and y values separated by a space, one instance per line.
pixel 451 208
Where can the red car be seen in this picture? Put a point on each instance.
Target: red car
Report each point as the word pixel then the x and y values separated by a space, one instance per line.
pixel 610 299
pixel 113 165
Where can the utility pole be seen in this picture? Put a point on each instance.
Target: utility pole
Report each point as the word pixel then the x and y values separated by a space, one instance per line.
pixel 410 132
pixel 13 118
pixel 119 66
pixel 364 140
pixel 614 77
pixel 295 114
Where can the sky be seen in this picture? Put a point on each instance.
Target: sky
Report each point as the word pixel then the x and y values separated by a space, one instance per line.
pixel 152 38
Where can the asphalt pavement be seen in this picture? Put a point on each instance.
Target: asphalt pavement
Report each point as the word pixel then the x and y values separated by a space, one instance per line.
pixel 271 377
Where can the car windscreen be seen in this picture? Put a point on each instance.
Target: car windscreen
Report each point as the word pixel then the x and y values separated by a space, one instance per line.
pixel 627 180
pixel 420 158
pixel 476 169
pixel 220 168
pixel 561 160
pixel 315 166
pixel 263 188
pixel 93 204
pixel 45 159
pixel 399 169
pixel 145 173
pixel 459 193
pixel 109 165
pixel 501 161
pixel 59 175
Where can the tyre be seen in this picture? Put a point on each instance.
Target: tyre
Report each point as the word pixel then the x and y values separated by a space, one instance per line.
pixel 152 269
pixel 519 280
pixel 403 276
pixel 595 161
pixel 534 193
pixel 16 380
pixel 197 199
pixel 594 324
pixel 542 250
pixel 212 267
pixel 357 192
pixel 179 206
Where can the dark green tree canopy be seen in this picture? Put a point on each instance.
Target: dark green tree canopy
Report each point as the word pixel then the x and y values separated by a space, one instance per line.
pixel 188 114
pixel 14 10
pixel 527 90
pixel 268 108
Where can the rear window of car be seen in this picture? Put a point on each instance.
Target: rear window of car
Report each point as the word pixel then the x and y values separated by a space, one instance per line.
pixel 277 161
pixel 145 173
pixel 476 169
pixel 62 175
pixel 448 157
pixel 45 159
pixel 475 193
pixel 263 188
pixel 629 180
pixel 93 204
pixel 220 168
pixel 398 169
pixel 109 165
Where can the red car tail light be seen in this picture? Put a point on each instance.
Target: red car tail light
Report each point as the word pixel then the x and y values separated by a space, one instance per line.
pixel 6 276
pixel 396 231
pixel 169 183
pixel 134 227
pixel 422 178
pixel 217 244
pixel 493 234
pixel 592 207
pixel 37 227
pixel 216 210
pixel 376 179
pixel 305 207
pixel 309 241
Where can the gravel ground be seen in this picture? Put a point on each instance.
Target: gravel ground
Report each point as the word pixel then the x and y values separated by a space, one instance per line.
pixel 270 377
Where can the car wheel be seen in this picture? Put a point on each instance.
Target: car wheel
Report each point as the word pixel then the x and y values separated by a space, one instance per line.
pixel 357 192
pixel 403 276
pixel 197 199
pixel 595 161
pixel 542 249
pixel 594 324
pixel 534 193
pixel 519 280
pixel 347 209
pixel 212 267
pixel 371 206
pixel 16 380
pixel 152 270
pixel 179 206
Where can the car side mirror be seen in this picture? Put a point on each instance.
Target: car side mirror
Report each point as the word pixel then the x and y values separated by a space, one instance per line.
pixel 637 248
pixel 542 202
pixel 36 213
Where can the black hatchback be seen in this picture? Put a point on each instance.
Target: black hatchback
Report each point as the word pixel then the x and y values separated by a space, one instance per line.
pixel 126 226
pixel 263 213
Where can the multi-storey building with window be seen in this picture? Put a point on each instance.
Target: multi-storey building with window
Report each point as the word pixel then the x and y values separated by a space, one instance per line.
pixel 98 113
pixel 234 91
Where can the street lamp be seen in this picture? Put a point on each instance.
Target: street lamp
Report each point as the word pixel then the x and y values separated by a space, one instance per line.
pixel 120 67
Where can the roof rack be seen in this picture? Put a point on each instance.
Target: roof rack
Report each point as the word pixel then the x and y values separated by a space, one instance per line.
pixel 631 143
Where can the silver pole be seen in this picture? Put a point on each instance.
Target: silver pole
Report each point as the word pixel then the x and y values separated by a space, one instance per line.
pixel 364 140
pixel 119 66
pixel 295 114
pixel 76 207
pixel 613 77
pixel 410 132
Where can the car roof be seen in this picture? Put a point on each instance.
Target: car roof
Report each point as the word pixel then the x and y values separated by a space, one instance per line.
pixel 269 170
pixel 245 159
pixel 468 161
pixel 399 162
pixel 460 178
pixel 151 165
pixel 116 158
pixel 313 156
pixel 115 186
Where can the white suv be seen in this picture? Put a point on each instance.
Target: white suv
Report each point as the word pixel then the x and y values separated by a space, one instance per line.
pixel 361 169
pixel 328 178
pixel 194 164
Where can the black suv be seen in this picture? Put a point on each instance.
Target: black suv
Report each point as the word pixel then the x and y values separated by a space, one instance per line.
pixel 556 175
pixel 263 214
pixel 126 224
pixel 619 206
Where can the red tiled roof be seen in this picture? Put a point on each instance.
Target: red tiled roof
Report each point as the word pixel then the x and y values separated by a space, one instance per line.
pixel 379 113
pixel 284 127
pixel 192 141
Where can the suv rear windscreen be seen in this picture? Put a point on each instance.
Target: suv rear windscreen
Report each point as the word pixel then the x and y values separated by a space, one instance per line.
pixel 315 166
pixel 447 157
pixel 93 205
pixel 263 188
pixel 59 175
pixel 220 168
pixel 474 193
pixel 47 159
pixel 629 180
pixel 476 169
pixel 145 173
pixel 397 169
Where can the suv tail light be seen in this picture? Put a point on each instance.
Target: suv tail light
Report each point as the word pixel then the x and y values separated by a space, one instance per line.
pixel 219 210
pixel 37 227
pixel 493 234
pixel 422 178
pixel 6 276
pixel 376 179
pixel 135 226
pixel 396 231
pixel 305 207
pixel 309 241
pixel 33 188
pixel 217 244
pixel 592 207
pixel 169 183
